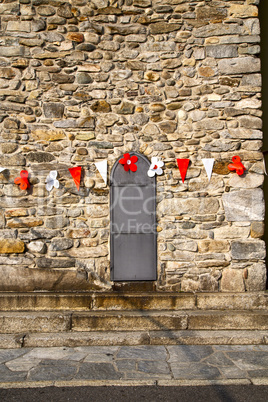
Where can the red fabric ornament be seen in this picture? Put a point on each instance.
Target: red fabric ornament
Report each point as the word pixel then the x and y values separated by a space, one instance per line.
pixel 129 162
pixel 23 181
pixel 183 166
pixel 76 175
pixel 237 165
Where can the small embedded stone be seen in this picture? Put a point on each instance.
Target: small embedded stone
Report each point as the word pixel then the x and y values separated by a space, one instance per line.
pixel 101 106
pixel 232 280
pixel 8 148
pixel 37 247
pixel 40 157
pixel 257 229
pixel 53 109
pixel 126 108
pixel 83 78
pixel 164 27
pixel 46 11
pixel 61 78
pixel 168 126
pixel 86 47
pixel 75 37
pixel 24 222
pixel 57 222
pixel 65 11
pixel 9 246
pixel 151 76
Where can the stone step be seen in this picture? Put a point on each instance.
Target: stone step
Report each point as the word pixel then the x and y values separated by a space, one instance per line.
pixel 85 301
pixel 47 321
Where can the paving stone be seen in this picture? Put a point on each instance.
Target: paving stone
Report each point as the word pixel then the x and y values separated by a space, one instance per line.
pixel 142 352
pixel 97 371
pixel 49 353
pixel 10 354
pixel 51 370
pixel 7 376
pixel 126 365
pixel 218 359
pixel 233 372
pixel 195 371
pixel 188 353
pixel 22 364
pixel 249 360
pixel 156 367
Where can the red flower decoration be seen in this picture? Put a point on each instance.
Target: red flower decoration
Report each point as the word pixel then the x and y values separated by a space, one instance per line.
pixel 23 180
pixel 237 165
pixel 129 162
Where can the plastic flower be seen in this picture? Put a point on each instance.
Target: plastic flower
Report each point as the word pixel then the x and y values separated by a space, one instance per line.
pixel 52 181
pixel 237 165
pixel 23 181
pixel 155 167
pixel 129 162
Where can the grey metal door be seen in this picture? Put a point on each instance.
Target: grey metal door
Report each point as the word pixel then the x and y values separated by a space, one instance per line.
pixel 133 223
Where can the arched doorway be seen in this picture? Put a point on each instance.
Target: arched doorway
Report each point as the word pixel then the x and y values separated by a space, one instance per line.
pixel 133 223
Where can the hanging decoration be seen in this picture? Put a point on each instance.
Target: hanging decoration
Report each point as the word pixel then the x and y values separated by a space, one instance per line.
pixel 23 181
pixel 129 162
pixel 155 167
pixel 76 175
pixel 183 166
pixel 51 180
pixel 208 163
pixel 102 168
pixel 264 167
pixel 237 165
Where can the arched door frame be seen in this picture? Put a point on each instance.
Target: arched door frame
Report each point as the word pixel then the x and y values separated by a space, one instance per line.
pixel 147 245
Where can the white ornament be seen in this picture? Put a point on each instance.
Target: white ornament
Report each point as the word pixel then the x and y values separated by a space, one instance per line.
pixel 102 168
pixel 51 180
pixel 155 167
pixel 208 163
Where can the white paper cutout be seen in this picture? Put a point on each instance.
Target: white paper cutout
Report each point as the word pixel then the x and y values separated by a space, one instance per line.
pixel 52 181
pixel 2 169
pixel 208 163
pixel 155 167
pixel 102 168
pixel 264 167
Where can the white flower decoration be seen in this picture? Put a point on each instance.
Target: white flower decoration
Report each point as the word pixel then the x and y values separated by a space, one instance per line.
pixel 52 181
pixel 155 167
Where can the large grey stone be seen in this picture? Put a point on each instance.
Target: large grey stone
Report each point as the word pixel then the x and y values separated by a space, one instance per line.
pixel 248 250
pixel 239 65
pixel 181 206
pixel 256 280
pixel 244 205
pixel 222 51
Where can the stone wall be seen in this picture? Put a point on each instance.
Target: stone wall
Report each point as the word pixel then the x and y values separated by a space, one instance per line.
pixel 88 80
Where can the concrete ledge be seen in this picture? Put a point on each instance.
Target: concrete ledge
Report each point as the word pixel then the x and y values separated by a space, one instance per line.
pixel 130 338
pixel 128 383
pixel 102 301
pixel 136 320
pixel 228 320
pixel 17 322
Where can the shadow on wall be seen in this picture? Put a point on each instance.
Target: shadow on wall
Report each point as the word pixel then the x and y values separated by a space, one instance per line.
pixel 263 12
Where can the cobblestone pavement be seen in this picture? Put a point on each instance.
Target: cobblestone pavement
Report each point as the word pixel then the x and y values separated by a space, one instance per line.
pixel 160 365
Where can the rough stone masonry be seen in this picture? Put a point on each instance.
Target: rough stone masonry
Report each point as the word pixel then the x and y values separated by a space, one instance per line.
pixel 88 80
